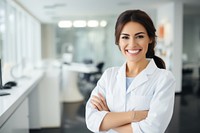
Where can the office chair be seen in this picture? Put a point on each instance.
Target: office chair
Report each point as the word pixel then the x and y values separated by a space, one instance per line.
pixel 94 77
pixel 86 76
pixel 89 81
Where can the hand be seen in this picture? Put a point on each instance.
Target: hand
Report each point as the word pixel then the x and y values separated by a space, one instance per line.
pixel 139 115
pixel 99 102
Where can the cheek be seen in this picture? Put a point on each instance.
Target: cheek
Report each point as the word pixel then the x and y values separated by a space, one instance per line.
pixel 145 49
pixel 144 45
pixel 121 46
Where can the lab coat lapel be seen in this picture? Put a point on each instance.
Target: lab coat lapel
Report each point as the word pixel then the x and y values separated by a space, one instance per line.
pixel 122 76
pixel 143 76
pixel 138 81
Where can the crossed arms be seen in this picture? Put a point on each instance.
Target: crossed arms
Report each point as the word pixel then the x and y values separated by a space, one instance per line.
pixel 118 121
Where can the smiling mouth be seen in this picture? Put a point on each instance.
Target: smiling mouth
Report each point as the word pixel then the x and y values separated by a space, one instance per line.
pixel 133 51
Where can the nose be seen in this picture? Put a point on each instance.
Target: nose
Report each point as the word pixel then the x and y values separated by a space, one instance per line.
pixel 132 41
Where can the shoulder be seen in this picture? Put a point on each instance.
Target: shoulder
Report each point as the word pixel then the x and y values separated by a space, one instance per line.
pixel 111 71
pixel 159 74
pixel 109 74
pixel 164 74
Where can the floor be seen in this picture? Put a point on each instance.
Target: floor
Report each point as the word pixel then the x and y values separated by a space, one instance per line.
pixel 186 117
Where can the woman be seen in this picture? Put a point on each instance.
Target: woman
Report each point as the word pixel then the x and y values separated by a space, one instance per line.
pixel 137 97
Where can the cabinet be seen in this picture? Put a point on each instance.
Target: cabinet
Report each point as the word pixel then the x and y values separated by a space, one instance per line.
pixel 44 100
pixel 18 122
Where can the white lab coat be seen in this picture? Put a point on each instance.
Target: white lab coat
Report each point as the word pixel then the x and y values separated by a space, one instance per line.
pixel 152 89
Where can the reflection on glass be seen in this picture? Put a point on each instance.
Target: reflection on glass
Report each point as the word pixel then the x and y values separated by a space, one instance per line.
pixel 2 25
pixel 88 42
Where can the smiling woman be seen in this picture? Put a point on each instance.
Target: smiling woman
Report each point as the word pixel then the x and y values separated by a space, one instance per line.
pixel 126 98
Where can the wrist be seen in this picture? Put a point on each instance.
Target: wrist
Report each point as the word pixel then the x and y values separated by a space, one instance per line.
pixel 132 116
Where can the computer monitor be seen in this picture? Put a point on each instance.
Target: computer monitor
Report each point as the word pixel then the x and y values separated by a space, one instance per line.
pixel 1 84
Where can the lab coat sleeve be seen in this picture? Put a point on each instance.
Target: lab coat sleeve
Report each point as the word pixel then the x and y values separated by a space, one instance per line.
pixel 93 116
pixel 161 107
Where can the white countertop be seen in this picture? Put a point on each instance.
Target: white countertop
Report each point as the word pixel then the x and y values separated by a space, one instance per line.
pixel 9 103
pixel 80 67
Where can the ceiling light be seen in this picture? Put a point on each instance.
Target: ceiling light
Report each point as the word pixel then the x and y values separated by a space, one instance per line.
pixel 65 24
pixel 103 23
pixel 93 23
pixel 79 23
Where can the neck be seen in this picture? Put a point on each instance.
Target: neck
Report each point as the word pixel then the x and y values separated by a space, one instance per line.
pixel 133 69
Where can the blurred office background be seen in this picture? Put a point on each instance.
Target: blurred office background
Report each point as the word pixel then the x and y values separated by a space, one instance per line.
pixel 52 34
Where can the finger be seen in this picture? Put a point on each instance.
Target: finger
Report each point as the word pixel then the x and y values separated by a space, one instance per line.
pixel 94 106
pixel 101 102
pixel 102 99
pixel 97 105
pixel 97 99
pixel 105 106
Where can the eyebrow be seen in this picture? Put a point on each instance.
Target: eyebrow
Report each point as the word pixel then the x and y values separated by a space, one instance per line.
pixel 135 34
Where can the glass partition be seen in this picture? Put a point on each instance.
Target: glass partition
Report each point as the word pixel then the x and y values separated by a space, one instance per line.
pixel 19 39
pixel 88 43
pixel 2 24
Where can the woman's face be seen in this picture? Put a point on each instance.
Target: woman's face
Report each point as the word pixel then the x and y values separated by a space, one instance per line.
pixel 134 41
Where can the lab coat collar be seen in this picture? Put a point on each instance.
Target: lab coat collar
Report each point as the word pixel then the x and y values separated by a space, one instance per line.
pixel 141 78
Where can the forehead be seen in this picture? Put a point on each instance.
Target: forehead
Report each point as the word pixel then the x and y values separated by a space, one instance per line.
pixel 133 27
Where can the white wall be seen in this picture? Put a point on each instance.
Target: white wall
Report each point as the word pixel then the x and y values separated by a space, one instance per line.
pixel 48 41
pixel 171 14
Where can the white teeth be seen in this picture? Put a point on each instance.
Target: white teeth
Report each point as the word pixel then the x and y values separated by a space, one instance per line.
pixel 133 51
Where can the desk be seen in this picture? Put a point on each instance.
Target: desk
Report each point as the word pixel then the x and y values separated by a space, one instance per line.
pixel 70 90
pixel 14 115
pixel 195 67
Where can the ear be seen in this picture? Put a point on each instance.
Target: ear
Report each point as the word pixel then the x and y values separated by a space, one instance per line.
pixel 150 41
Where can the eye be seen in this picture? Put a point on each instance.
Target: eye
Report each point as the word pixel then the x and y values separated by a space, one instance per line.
pixel 140 36
pixel 125 37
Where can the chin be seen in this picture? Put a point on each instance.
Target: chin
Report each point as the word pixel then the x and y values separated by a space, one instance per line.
pixel 135 60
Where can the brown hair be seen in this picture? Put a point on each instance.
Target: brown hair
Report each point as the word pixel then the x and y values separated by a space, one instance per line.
pixel 142 18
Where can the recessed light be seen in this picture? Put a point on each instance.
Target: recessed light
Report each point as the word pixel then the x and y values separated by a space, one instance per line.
pixel 79 23
pixel 92 23
pixel 103 23
pixel 65 24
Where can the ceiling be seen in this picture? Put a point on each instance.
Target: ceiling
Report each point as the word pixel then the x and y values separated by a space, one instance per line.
pixel 51 11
